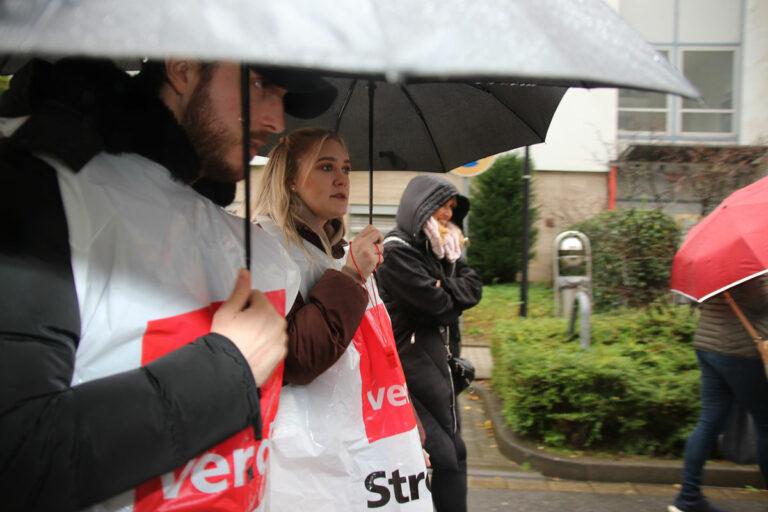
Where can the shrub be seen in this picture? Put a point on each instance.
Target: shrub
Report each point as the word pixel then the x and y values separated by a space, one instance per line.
pixel 632 254
pixel 635 390
pixel 496 221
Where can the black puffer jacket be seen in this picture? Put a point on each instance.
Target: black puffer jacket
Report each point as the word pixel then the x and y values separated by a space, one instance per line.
pixel 425 315
pixel 65 447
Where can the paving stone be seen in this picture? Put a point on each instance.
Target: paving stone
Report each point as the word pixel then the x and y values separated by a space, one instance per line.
pixel 737 494
pixel 569 486
pixel 477 431
pixel 655 490
pixel 481 358
pixel 613 488
pixel 527 485
pixel 486 483
pixel 717 493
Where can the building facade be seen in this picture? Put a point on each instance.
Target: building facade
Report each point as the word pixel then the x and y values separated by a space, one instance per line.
pixel 720 45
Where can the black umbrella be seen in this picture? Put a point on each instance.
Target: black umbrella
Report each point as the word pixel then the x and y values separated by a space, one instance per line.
pixel 435 126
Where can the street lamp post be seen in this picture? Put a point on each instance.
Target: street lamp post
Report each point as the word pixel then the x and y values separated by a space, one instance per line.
pixel 526 234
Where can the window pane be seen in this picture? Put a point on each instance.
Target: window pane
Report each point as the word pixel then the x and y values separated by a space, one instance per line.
pixel 643 121
pixel 707 122
pixel 710 21
pixel 712 72
pixel 654 19
pixel 639 99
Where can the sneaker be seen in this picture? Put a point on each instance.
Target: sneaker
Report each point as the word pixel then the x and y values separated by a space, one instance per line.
pixel 700 506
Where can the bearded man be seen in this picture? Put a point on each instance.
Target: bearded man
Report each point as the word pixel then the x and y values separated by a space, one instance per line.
pixel 125 352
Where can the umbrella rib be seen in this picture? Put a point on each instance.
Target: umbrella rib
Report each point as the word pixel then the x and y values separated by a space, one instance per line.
pixel 426 126
pixel 343 108
pixel 511 110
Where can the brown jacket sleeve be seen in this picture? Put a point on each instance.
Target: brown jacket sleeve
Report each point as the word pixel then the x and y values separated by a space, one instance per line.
pixel 320 329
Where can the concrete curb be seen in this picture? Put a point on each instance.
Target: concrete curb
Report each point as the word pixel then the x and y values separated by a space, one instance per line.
pixel 601 470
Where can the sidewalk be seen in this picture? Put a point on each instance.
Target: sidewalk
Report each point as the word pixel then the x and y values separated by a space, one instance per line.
pixel 495 480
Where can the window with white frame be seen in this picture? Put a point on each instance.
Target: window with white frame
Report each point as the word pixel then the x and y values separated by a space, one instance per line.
pixel 641 111
pixel 702 38
pixel 711 71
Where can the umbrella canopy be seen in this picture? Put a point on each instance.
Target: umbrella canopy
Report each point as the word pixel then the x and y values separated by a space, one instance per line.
pixel 435 126
pixel 725 249
pixel 581 43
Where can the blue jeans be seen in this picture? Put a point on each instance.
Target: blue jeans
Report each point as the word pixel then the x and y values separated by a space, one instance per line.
pixel 723 380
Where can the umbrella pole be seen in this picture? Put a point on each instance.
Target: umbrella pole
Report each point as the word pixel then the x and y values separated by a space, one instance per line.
pixel 762 345
pixel 371 94
pixel 526 234
pixel 245 118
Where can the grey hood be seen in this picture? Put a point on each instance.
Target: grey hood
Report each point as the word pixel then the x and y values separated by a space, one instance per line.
pixel 422 197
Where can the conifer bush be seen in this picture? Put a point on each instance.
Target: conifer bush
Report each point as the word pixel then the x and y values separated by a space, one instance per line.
pixel 496 221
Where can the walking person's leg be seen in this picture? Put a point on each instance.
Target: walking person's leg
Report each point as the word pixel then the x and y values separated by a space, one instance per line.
pixel 716 398
pixel 449 487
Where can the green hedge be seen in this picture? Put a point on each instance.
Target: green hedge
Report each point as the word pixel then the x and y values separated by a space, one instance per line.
pixel 632 254
pixel 635 390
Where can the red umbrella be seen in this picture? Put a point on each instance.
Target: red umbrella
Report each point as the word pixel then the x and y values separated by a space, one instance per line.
pixel 727 248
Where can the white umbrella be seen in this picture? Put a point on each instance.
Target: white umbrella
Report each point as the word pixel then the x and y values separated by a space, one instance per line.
pixel 581 43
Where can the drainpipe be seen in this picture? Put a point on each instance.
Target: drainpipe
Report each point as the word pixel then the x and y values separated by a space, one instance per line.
pixel 612 187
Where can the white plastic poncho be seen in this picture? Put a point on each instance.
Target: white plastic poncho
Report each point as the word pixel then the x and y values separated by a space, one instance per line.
pixel 152 261
pixel 348 440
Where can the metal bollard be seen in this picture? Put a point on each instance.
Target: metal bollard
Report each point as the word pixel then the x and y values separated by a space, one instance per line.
pixel 585 309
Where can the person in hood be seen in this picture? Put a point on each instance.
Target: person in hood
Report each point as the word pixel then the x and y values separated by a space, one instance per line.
pixel 115 251
pixel 426 285
pixel 302 200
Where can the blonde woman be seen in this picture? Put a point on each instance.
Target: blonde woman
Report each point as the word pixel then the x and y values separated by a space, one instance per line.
pixel 345 425
pixel 303 197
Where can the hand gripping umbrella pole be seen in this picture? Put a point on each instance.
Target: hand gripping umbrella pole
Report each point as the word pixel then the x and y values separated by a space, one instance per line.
pixel 760 342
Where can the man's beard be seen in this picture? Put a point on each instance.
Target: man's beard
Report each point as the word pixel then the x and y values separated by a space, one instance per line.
pixel 210 140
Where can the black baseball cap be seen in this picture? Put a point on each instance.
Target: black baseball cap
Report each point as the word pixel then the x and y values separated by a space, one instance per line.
pixel 308 94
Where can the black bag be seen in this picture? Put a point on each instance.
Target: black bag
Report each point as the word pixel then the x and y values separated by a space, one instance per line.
pixel 738 443
pixel 463 373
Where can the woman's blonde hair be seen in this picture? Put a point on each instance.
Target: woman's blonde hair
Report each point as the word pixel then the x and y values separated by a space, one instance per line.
pixel 289 159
